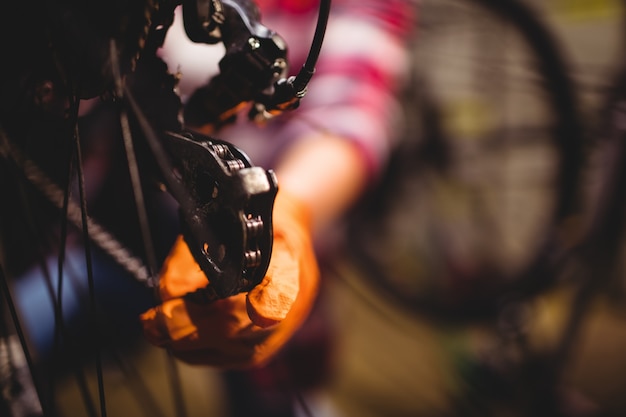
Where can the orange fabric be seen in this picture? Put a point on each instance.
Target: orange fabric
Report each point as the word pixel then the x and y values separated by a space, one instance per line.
pixel 246 329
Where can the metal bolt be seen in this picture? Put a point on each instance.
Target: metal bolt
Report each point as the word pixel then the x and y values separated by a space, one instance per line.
pixel 254 43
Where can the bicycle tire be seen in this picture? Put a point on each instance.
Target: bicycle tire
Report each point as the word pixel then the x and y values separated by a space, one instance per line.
pixel 566 134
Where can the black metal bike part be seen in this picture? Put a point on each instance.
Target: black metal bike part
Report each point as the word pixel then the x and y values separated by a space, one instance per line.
pixel 288 92
pixel 254 67
pixel 202 20
pixel 255 58
pixel 228 225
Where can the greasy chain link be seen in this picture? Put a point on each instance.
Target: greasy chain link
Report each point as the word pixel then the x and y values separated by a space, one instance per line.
pixel 253 223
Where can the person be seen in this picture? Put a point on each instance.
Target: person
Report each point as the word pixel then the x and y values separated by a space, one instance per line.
pixel 326 154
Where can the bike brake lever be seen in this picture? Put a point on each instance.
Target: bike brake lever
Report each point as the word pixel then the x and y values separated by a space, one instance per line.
pixel 226 215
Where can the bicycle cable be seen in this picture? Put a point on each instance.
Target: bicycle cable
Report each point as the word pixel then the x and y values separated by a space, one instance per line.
pixel 308 68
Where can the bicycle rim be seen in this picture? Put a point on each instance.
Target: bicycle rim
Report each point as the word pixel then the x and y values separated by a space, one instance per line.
pixel 494 172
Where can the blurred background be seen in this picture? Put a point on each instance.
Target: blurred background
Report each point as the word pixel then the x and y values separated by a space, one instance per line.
pixel 476 198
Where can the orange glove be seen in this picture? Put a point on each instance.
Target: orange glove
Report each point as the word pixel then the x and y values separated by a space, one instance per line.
pixel 246 329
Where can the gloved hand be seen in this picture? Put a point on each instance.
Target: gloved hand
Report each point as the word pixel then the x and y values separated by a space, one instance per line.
pixel 244 330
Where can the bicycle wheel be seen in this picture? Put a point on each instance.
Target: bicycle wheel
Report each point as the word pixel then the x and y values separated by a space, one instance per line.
pixel 485 202
pixel 478 202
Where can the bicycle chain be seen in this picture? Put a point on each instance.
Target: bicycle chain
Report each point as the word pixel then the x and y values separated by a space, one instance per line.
pixel 98 234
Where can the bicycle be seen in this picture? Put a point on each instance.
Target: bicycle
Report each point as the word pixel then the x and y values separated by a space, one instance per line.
pixel 78 53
